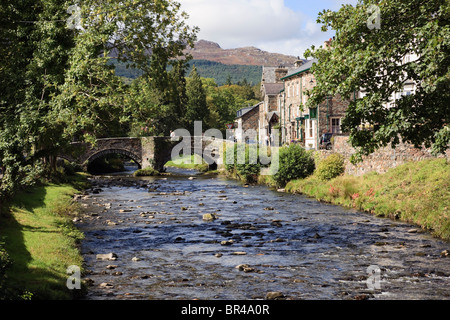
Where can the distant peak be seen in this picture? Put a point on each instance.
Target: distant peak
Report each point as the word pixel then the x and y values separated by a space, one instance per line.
pixel 207 44
pixel 211 51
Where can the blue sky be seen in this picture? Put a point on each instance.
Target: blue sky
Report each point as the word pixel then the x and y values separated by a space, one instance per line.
pixel 282 26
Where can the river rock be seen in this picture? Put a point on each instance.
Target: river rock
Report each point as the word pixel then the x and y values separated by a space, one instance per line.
pixel 445 253
pixel 276 223
pixel 111 267
pixel 227 242
pixel 275 295
pixel 209 217
pixel 89 281
pixel 106 285
pixel 239 253
pixel 136 259
pixel 107 256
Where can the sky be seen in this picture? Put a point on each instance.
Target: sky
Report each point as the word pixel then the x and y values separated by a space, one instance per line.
pixel 278 26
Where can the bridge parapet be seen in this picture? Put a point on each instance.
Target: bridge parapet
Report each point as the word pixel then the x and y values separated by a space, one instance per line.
pixel 147 152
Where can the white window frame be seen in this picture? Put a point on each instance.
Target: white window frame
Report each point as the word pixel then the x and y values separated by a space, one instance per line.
pixel 333 126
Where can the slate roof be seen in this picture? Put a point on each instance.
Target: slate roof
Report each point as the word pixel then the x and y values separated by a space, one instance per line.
pixel 303 68
pixel 273 88
pixel 244 111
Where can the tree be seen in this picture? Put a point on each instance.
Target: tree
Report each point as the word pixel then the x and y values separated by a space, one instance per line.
pixel 143 35
pixel 35 47
pixel 197 109
pixel 57 84
pixel 364 57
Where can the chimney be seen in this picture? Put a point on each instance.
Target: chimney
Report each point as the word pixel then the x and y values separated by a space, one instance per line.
pixel 327 44
pixel 299 62
pixel 280 72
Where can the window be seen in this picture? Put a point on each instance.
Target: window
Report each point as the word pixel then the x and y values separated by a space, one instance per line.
pixel 336 125
pixel 311 131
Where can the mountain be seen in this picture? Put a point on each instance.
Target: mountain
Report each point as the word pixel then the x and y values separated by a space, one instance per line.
pixel 211 51
pixel 223 65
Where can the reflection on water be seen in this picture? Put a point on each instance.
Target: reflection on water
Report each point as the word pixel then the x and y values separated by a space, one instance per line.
pixel 261 241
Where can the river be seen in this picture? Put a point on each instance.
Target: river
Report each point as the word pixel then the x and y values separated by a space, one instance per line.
pixel 261 241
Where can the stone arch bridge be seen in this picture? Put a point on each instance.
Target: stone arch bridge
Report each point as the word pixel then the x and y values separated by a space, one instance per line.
pixel 147 152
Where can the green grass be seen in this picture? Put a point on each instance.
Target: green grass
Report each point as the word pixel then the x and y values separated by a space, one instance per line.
pixel 189 162
pixel 149 172
pixel 42 241
pixel 416 192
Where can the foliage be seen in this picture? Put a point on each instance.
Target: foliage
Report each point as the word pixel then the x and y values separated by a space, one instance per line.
pixel 223 74
pixel 5 262
pixel 331 167
pixel 224 102
pixel 374 60
pixel 148 172
pixel 243 160
pixel 57 84
pixel 227 74
pixel 294 163
pixel 196 101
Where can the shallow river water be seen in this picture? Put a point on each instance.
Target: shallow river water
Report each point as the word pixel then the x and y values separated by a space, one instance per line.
pixel 281 242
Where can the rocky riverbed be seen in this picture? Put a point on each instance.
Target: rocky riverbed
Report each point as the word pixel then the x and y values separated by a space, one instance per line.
pixel 196 237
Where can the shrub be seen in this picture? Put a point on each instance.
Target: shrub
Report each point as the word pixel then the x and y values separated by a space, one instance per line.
pixel 246 165
pixel 149 172
pixel 294 163
pixel 331 167
pixel 5 263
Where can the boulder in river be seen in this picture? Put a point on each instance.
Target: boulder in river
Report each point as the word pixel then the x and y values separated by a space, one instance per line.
pixel 209 217
pixel 107 256
pixel 275 295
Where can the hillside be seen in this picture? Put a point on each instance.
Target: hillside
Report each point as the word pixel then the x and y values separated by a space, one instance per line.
pixel 207 50
pixel 207 69
pixel 221 72
pixel 220 64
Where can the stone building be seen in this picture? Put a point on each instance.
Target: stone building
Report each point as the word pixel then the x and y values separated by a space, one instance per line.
pixel 247 123
pixel 271 86
pixel 306 125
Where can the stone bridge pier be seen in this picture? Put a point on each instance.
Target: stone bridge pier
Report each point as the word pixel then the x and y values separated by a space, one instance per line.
pixel 147 152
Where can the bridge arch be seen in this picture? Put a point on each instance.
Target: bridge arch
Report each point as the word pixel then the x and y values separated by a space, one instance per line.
pixel 123 152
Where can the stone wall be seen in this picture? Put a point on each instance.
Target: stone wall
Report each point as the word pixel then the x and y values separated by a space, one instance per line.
pixel 382 160
pixel 250 120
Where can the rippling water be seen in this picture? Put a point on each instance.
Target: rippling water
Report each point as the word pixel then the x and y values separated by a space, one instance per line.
pixel 283 242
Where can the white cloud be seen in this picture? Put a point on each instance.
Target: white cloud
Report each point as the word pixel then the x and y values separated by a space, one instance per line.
pixel 267 24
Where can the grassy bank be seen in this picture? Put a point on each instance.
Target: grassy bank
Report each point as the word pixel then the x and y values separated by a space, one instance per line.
pixel 188 162
pixel 41 241
pixel 416 192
